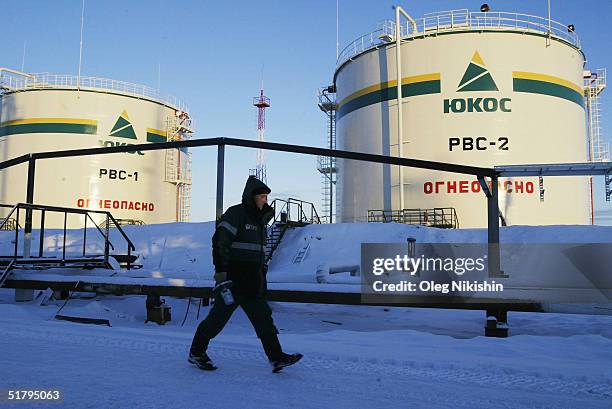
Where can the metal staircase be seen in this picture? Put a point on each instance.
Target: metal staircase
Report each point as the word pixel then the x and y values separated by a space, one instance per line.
pixel 275 235
pixel 35 258
pixel 7 224
pixel 6 272
pixel 290 213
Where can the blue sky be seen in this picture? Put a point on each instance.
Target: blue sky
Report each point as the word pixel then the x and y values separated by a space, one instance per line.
pixel 210 54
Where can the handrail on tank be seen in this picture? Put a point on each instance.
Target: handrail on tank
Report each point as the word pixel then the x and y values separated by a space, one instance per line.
pixel 4 87
pixel 22 81
pixel 458 20
pixel 24 74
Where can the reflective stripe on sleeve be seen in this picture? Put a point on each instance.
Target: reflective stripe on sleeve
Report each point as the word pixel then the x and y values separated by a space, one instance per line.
pixel 229 227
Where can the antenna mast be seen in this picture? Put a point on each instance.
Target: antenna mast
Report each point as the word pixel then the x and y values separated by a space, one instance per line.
pixel 261 102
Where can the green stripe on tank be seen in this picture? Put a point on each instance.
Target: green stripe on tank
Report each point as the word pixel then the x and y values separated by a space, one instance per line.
pixel 547 88
pixel 48 128
pixel 153 137
pixel 386 94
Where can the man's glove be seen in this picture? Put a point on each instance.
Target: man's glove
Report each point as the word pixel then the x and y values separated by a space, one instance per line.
pixel 222 286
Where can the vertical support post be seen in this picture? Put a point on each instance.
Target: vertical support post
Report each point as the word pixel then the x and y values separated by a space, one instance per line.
pixel 220 179
pixel 493 230
pixel 85 234
pixel 549 26
pixel 493 214
pixel 20 293
pixel 591 200
pixel 497 322
pixel 331 162
pixel 64 243
pixel 129 260
pixel 29 200
pixel 106 239
pixel 16 233
pixel 398 62
pixel 411 246
pixel 81 48
pixel 42 234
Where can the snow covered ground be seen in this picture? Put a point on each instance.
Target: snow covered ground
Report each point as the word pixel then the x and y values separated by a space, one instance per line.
pixel 355 357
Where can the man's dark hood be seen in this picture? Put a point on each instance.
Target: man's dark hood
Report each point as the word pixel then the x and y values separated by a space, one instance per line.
pixel 253 184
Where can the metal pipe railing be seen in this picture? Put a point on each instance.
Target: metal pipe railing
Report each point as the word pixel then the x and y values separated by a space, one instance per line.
pixel 457 20
pixel 221 142
pixel 87 215
pixel 435 217
pixel 298 205
pixel 19 81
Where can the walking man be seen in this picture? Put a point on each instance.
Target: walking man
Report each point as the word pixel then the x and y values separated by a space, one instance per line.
pixel 240 276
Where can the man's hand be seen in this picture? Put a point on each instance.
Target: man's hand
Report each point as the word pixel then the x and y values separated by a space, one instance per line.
pixel 219 287
pixel 223 289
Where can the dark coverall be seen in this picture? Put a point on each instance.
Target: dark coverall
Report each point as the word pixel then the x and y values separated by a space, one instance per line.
pixel 239 250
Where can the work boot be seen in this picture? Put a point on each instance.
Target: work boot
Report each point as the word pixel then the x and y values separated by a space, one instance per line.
pixel 285 360
pixel 202 361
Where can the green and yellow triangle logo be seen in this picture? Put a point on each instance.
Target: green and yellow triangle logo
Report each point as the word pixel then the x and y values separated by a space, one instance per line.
pixel 477 77
pixel 123 127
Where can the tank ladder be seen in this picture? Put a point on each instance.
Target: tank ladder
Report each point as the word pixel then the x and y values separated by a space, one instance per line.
pixel 327 165
pixel 598 149
pixel 178 163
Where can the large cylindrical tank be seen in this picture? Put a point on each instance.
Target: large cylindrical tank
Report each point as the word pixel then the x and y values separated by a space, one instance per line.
pixel 46 112
pixel 479 89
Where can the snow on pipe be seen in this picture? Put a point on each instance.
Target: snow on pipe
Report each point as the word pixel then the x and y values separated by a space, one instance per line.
pixel 325 273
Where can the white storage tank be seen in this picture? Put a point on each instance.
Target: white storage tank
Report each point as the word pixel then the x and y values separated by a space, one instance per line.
pixel 478 89
pixel 46 112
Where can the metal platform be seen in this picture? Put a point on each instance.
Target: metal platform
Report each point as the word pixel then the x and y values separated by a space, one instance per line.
pixel 556 169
